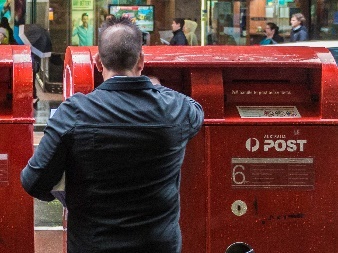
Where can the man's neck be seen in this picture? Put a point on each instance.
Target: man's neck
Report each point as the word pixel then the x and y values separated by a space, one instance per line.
pixel 106 74
pixel 297 27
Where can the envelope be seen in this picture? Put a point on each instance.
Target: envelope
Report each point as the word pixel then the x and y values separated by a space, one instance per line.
pixel 59 190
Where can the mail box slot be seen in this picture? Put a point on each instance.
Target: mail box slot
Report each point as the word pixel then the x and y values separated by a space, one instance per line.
pixel 261 174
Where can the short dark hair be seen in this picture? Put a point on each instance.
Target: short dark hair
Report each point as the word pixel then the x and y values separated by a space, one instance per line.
pixel 179 21
pixel 110 16
pixel 83 15
pixel 120 44
pixel 273 26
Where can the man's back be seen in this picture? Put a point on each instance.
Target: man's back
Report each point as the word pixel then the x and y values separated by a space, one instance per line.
pixel 121 148
pixel 123 165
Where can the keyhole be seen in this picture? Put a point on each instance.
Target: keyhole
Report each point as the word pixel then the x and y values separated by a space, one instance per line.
pixel 239 208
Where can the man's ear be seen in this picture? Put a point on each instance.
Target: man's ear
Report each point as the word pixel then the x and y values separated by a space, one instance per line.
pixel 97 61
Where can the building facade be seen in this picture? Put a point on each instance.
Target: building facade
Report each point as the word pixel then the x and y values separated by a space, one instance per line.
pixel 240 22
pixel 219 22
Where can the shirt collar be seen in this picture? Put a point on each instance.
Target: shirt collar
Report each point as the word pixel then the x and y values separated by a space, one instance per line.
pixel 174 32
pixel 296 28
pixel 127 83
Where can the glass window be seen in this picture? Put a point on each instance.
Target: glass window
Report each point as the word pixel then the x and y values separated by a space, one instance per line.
pixel 324 16
pixel 224 23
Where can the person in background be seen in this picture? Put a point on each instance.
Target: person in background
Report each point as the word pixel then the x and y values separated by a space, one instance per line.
pixel 145 34
pixel 121 147
pixel 145 38
pixel 85 32
pixel 272 35
pixel 298 31
pixel 4 23
pixel 189 32
pixel 5 9
pixel 3 36
pixel 36 62
pixel 179 38
pixel 110 17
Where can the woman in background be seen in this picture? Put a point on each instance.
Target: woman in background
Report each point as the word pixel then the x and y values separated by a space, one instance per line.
pixel 272 35
pixel 189 32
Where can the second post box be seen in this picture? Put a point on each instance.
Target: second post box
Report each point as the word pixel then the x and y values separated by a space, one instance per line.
pixel 261 175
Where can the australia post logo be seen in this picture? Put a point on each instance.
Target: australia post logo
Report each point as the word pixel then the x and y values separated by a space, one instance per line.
pixel 276 144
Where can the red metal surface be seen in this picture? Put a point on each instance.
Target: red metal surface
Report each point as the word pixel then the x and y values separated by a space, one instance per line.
pixel 78 71
pixel 268 181
pixel 16 147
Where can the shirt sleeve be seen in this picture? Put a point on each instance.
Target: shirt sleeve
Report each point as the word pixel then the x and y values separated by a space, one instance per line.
pixel 75 31
pixel 303 36
pixel 45 168
pixel 196 115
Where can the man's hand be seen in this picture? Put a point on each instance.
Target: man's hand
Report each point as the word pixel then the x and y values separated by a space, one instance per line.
pixel 98 63
pixel 154 80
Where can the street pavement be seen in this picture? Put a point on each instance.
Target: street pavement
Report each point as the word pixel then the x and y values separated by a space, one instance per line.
pixel 48 230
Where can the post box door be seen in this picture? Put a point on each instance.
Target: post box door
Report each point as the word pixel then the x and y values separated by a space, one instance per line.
pixel 273 187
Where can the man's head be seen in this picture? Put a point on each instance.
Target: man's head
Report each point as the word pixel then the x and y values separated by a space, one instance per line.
pixel 297 19
pixel 84 19
pixel 110 17
pixel 120 47
pixel 177 24
pixel 4 22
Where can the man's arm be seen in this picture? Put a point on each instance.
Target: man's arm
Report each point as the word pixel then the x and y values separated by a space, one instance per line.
pixel 44 170
pixel 196 115
pixel 181 39
pixel 75 31
pixel 303 35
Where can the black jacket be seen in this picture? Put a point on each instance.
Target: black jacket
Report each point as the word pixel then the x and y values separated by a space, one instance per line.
pixel 300 34
pixel 178 39
pixel 122 147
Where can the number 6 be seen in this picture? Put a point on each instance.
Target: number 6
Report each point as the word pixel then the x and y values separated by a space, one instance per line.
pixel 236 173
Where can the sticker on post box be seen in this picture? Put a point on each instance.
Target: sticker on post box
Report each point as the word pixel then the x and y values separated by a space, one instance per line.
pixel 3 169
pixel 268 112
pixel 273 173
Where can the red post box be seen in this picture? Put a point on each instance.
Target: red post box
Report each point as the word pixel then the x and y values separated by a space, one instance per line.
pixel 16 147
pixel 261 174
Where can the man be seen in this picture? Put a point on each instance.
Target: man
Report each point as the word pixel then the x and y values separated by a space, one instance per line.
pixel 298 31
pixel 110 17
pixel 121 147
pixel 85 32
pixel 179 37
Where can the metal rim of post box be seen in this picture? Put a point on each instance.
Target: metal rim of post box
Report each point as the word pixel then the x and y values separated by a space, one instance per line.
pixel 239 247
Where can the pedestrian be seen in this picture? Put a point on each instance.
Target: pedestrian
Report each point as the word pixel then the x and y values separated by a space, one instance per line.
pixel 4 23
pixel 3 36
pixel 145 38
pixel 121 148
pixel 179 37
pixel 110 17
pixel 189 32
pixel 85 32
pixel 5 9
pixel 298 31
pixel 36 62
pixel 272 35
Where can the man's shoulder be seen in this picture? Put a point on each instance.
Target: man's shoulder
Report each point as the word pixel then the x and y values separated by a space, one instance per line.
pixel 74 99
